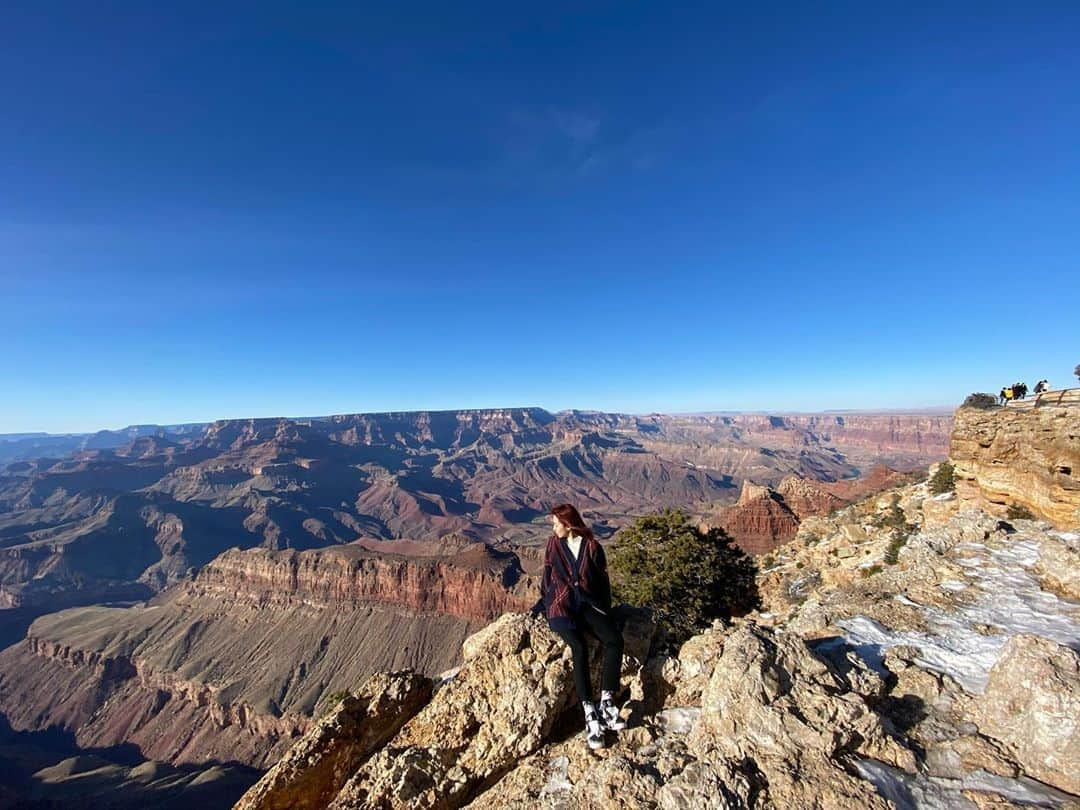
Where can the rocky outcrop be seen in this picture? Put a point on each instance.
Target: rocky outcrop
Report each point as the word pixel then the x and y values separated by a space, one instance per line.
pixel 773 727
pixel 759 521
pixel 475 728
pixel 310 775
pixel 1026 457
pixel 772 703
pixel 946 598
pixel 764 518
pixel 1032 706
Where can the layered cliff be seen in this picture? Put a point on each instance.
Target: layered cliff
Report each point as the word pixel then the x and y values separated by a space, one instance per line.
pixel 760 521
pixel 764 518
pixel 230 665
pixel 135 518
pixel 1028 457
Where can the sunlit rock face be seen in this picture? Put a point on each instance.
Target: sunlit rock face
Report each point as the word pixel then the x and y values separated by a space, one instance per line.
pixel 1027 457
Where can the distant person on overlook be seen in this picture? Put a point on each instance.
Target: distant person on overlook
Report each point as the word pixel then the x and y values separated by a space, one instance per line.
pixel 575 596
pixel 1042 385
pixel 1006 395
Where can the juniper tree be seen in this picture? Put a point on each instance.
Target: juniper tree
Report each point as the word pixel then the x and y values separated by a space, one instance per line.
pixel 943 480
pixel 686 576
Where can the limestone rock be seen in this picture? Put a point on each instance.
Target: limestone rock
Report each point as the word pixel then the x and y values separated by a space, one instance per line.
pixel 1032 705
pixel 1059 564
pixel 1029 457
pixel 690 672
pixel 773 704
pixel 497 710
pixel 310 775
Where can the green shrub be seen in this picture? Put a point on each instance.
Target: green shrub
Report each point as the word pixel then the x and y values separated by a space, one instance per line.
pixel 685 576
pixel 943 480
pixel 983 402
pixel 893 518
pixel 330 702
pixel 1019 512
pixel 892 553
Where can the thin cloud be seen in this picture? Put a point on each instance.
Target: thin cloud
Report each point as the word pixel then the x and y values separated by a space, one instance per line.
pixel 576 142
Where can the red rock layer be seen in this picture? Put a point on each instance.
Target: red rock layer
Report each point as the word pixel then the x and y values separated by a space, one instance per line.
pixel 231 665
pixel 759 524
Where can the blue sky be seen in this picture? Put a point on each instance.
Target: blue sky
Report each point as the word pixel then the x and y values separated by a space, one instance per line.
pixel 259 209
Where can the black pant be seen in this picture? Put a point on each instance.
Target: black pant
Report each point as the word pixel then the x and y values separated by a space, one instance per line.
pixel 603 627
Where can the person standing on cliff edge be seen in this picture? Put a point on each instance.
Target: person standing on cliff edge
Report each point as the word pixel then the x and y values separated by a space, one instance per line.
pixel 575 596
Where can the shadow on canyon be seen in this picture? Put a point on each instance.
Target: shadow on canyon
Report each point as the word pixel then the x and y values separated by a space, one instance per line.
pixel 48 769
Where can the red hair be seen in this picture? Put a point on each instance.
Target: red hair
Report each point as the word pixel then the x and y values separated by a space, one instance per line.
pixel 571 518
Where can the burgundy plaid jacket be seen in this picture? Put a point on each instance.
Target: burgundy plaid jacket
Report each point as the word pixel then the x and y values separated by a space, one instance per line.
pixel 568 584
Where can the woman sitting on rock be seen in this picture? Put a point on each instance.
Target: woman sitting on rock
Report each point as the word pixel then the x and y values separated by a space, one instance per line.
pixel 576 597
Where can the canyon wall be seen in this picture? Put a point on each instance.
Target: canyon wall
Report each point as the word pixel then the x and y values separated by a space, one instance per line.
pixel 230 665
pixel 1015 456
pixel 136 518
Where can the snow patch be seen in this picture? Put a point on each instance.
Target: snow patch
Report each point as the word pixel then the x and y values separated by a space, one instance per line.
pixel 909 792
pixel 953 585
pixel 957 643
pixel 558 777
pixel 678 720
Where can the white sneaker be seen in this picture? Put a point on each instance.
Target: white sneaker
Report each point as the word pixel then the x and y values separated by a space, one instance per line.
pixel 594 730
pixel 609 716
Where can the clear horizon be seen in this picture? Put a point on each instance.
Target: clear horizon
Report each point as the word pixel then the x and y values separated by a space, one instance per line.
pixel 769 411
pixel 224 213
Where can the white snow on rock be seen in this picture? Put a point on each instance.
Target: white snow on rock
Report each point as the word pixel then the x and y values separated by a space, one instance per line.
pixel 953 585
pixel 559 777
pixel 937 793
pixel 957 642
pixel 678 720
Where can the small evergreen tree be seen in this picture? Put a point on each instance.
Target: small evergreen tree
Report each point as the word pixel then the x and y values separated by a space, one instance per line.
pixel 687 577
pixel 894 518
pixel 943 480
pixel 1019 512
pixel 1076 371
pixel 983 402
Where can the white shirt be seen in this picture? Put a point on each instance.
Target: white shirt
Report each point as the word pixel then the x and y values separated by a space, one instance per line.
pixel 574 543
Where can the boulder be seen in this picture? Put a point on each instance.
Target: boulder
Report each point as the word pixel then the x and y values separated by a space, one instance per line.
pixel 1059 564
pixel 1032 706
pixel 689 673
pixel 791 720
pixel 498 709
